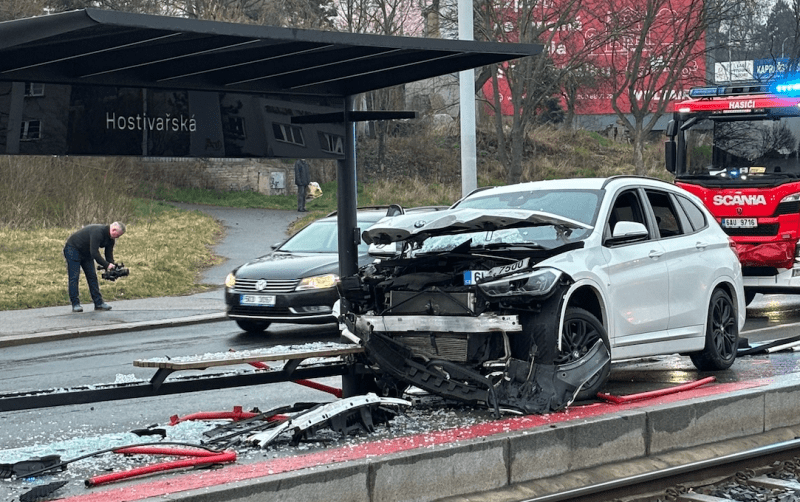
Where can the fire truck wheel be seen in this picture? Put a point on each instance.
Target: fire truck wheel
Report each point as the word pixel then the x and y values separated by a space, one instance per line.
pixel 722 335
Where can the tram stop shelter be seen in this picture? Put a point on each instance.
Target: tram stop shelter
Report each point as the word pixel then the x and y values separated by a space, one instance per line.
pixel 97 82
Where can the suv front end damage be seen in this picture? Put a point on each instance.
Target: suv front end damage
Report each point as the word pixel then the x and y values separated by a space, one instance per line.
pixel 475 325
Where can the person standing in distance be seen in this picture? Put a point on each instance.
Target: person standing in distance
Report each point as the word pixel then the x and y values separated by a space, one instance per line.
pixel 81 250
pixel 302 181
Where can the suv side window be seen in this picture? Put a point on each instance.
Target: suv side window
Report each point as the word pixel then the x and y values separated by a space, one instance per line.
pixel 627 207
pixel 696 217
pixel 667 218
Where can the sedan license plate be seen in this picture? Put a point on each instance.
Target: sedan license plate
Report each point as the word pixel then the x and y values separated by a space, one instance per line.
pixel 473 276
pixel 257 300
pixel 739 223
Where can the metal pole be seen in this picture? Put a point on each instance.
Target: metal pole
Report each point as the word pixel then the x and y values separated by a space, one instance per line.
pixel 466 84
pixel 346 197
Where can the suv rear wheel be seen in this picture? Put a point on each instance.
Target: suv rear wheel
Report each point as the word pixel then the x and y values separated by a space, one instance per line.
pixel 722 335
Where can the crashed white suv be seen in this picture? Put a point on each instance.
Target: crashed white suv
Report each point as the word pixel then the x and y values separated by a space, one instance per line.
pixel 519 297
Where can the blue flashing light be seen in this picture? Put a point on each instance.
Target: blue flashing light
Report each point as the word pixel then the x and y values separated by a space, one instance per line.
pixel 703 92
pixel 788 88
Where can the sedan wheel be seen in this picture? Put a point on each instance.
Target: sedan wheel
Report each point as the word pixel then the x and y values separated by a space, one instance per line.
pixel 581 332
pixel 722 335
pixel 252 326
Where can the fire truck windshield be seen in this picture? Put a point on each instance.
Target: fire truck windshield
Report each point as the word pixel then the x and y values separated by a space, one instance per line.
pixel 742 149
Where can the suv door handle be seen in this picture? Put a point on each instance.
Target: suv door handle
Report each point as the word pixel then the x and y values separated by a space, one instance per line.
pixel 701 245
pixel 655 253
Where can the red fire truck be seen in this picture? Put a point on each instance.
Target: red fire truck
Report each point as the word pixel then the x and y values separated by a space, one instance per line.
pixel 736 147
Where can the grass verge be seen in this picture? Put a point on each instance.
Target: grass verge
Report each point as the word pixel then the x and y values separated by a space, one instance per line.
pixel 165 249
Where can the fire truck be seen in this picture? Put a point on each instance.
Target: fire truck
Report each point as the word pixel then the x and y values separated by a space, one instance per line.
pixel 736 147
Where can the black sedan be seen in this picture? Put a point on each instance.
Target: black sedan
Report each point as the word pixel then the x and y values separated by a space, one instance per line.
pixel 296 282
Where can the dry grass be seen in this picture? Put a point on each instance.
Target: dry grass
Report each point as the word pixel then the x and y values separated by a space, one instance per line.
pixel 164 252
pixel 48 192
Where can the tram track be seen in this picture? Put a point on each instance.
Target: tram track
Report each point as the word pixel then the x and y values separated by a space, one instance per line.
pixel 768 473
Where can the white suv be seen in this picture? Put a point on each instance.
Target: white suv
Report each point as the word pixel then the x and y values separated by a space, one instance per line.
pixel 521 296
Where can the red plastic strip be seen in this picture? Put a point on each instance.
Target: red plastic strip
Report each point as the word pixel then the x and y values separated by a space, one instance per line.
pixel 235 415
pixel 655 393
pixel 228 456
pixel 306 383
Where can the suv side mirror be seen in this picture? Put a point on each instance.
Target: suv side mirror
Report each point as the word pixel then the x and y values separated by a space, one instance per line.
pixel 628 231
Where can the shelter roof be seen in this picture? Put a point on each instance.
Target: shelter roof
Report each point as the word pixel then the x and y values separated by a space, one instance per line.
pixel 100 47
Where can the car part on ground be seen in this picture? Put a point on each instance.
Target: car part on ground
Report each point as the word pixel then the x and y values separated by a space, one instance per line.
pixel 345 416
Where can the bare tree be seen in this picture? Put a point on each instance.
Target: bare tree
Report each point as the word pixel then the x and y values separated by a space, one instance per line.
pixel 532 82
pixel 652 52
pixel 381 17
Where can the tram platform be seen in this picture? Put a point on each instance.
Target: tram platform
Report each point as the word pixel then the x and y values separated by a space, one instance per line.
pixel 511 458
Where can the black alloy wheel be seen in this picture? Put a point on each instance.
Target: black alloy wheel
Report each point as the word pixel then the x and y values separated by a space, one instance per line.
pixel 722 335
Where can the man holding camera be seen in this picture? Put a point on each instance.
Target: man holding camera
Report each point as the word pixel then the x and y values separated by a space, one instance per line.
pixel 81 251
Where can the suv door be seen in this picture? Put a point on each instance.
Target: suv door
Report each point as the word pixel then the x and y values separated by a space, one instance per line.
pixel 637 276
pixel 690 263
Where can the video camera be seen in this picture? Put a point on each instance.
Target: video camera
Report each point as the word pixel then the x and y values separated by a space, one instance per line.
pixel 115 273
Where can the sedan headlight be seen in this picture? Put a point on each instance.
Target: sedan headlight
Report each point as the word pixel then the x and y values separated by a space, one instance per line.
pixel 230 281
pixel 318 282
pixel 536 283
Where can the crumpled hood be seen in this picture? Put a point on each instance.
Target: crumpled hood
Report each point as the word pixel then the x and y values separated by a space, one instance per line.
pixel 458 221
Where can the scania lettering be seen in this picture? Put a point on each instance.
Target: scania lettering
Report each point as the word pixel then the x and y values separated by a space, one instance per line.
pixel 739 200
pixel 736 148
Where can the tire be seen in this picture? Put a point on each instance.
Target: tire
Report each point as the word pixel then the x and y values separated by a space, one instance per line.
pixel 580 332
pixel 252 326
pixel 722 335
pixel 748 297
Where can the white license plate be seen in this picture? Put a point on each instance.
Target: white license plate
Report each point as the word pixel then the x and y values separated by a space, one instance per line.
pixel 258 300
pixel 473 276
pixel 739 222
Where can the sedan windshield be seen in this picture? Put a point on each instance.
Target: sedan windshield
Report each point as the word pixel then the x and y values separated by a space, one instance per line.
pixel 579 205
pixel 320 237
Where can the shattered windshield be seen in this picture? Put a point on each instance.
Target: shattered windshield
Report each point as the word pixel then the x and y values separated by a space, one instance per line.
pixel 744 149
pixel 579 205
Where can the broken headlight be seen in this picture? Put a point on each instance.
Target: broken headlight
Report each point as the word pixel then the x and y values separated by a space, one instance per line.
pixel 536 282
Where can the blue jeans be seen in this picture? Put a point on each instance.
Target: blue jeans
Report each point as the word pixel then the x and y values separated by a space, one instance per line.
pixel 76 262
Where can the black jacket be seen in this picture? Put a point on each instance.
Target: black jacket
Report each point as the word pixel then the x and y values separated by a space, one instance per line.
pixel 90 239
pixel 301 173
